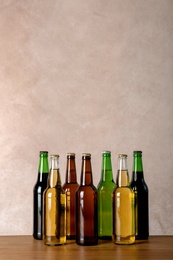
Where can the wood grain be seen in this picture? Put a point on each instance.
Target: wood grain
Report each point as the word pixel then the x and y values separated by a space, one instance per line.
pixel 25 247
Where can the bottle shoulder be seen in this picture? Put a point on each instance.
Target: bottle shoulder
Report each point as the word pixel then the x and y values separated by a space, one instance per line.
pixel 40 186
pixel 127 189
pixel 70 185
pixel 42 179
pixel 105 182
pixel 86 188
pixel 58 189
pixel 106 186
pixel 139 185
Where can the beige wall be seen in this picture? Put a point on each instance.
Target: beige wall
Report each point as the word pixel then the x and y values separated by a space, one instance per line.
pixel 85 76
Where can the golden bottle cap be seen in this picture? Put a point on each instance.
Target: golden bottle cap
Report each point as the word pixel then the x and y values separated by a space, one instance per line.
pixel 54 156
pixel 86 154
pixel 70 154
pixel 121 155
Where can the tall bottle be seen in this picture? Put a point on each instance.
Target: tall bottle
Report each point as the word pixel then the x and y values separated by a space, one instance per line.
pixel 70 186
pixel 123 206
pixel 105 189
pixel 54 215
pixel 140 189
pixel 86 206
pixel 40 186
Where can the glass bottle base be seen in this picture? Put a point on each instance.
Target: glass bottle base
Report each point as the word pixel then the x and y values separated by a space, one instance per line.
pixel 105 237
pixel 53 241
pixel 87 241
pixel 124 240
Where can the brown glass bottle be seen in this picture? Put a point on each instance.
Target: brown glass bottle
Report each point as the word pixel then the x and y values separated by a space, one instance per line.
pixel 86 206
pixel 70 186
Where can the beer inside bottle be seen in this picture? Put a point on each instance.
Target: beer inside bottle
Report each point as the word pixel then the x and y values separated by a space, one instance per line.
pixel 105 189
pixel 54 228
pixel 123 206
pixel 140 189
pixel 70 186
pixel 86 206
pixel 40 186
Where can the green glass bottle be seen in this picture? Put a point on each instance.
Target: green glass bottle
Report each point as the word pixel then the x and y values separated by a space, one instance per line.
pixel 105 189
pixel 54 209
pixel 123 206
pixel 40 186
pixel 140 189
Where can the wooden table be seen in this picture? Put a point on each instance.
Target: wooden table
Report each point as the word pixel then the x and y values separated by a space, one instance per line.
pixel 25 247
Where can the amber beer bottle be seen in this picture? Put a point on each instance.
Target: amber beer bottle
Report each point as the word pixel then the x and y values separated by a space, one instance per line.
pixel 86 206
pixel 123 206
pixel 140 189
pixel 70 186
pixel 54 210
pixel 40 186
pixel 105 189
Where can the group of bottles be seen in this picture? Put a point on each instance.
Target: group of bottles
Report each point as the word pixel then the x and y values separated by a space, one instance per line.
pixel 114 210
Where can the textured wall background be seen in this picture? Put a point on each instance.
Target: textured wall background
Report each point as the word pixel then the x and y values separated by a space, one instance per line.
pixel 85 76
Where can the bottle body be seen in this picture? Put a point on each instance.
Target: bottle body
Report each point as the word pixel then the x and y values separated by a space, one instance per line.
pixel 123 206
pixel 86 206
pixel 39 188
pixel 105 189
pixel 70 186
pixel 54 198
pixel 141 192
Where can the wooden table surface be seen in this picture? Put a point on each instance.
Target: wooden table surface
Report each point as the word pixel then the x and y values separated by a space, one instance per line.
pixel 25 247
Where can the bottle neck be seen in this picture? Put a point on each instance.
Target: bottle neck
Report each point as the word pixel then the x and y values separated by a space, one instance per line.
pixel 71 169
pixel 43 168
pixel 137 166
pixel 122 175
pixel 107 174
pixel 54 175
pixel 86 171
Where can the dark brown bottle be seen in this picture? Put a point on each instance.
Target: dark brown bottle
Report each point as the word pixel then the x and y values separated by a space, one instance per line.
pixel 40 186
pixel 70 186
pixel 141 191
pixel 86 206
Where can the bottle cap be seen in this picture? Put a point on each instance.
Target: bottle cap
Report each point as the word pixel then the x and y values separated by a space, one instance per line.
pixel 122 155
pixel 137 152
pixel 86 154
pixel 105 151
pixel 54 156
pixel 41 152
pixel 70 154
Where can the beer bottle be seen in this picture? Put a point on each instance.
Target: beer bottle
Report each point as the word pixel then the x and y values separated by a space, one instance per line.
pixel 40 186
pixel 54 210
pixel 105 189
pixel 70 186
pixel 140 189
pixel 86 206
pixel 123 206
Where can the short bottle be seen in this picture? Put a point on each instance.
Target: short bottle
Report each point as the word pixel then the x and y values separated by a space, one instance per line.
pixel 54 213
pixel 70 186
pixel 123 206
pixel 86 206
pixel 105 189
pixel 40 186
pixel 141 192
